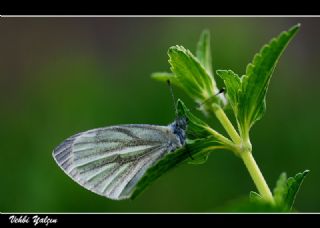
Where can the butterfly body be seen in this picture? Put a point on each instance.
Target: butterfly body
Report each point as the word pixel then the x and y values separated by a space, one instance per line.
pixel 110 161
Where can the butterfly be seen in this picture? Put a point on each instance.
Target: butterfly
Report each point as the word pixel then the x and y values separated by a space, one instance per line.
pixel 110 161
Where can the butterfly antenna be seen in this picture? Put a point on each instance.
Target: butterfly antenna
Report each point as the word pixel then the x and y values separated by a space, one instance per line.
pixel 173 98
pixel 222 90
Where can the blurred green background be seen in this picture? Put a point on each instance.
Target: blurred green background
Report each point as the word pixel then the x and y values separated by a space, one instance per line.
pixel 60 76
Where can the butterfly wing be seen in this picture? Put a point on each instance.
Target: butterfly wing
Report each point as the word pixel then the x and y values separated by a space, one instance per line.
pixel 110 161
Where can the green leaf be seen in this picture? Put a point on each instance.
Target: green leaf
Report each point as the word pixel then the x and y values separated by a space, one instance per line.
pixel 294 184
pixel 203 52
pixel 199 158
pixel 233 83
pixel 202 148
pixel 165 76
pixel 281 189
pixel 194 74
pixel 199 144
pixel 172 160
pixel 254 196
pixel 286 190
pixel 196 127
pixel 191 74
pixel 255 82
pixel 284 194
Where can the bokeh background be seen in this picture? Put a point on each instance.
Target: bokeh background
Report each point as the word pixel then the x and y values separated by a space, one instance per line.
pixel 60 76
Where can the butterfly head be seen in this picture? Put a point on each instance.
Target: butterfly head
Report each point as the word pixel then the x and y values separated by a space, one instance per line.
pixel 181 122
pixel 179 127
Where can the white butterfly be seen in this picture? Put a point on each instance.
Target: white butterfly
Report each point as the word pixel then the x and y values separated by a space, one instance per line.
pixel 110 161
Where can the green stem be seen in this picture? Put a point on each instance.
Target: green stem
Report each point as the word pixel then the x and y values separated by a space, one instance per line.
pixel 224 120
pixel 257 176
pixel 220 137
pixel 245 154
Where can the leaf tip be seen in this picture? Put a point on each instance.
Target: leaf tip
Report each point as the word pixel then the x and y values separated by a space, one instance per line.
pixel 171 49
pixel 205 33
pixel 181 107
pixel 294 29
pixel 179 101
pixel 305 172
pixel 297 25
pixel 176 48
pixel 153 76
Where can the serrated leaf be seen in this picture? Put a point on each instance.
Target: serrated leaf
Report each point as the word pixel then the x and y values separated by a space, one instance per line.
pixel 164 77
pixel 191 74
pixel 255 82
pixel 286 190
pixel 233 83
pixel 194 74
pixel 172 160
pixel 294 184
pixel 203 52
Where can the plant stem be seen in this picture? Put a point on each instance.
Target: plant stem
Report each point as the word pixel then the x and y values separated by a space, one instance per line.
pixel 220 137
pixel 257 176
pixel 224 120
pixel 246 155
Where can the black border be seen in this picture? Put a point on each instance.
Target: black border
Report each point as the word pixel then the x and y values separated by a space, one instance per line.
pixel 183 9
pixel 131 8
pixel 164 220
